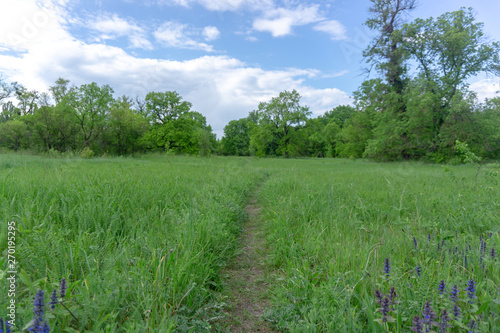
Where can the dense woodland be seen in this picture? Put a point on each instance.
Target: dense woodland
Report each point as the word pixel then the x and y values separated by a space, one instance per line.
pixel 414 104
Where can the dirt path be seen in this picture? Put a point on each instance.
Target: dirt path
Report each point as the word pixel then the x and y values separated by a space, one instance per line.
pixel 246 279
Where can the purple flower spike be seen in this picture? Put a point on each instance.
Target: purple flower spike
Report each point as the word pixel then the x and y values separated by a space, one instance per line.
pixel 454 293
pixel 63 288
pixel 428 315
pixel 472 325
pixel 418 325
pixel 456 311
pixel 415 243
pixel 378 295
pixel 443 325
pixel 417 270
pixel 471 290
pixel 442 287
pixel 387 267
pixel 386 303
pixel 53 299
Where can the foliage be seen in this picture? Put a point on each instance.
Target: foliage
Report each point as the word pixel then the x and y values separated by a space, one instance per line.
pixel 278 122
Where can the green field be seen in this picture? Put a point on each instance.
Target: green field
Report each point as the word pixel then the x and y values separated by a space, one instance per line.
pixel 143 241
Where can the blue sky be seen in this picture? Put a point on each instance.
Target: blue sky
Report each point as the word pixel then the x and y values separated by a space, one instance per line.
pixel 224 56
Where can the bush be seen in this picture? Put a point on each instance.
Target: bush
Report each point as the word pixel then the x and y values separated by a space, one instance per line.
pixel 87 153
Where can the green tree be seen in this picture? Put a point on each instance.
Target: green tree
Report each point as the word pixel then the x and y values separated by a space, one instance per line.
pixel 236 140
pixel 385 52
pixel 282 116
pixel 165 106
pixel 449 50
pixel 14 134
pixel 124 128
pixel 91 104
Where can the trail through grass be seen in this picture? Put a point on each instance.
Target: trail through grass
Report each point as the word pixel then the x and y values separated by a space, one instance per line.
pixel 247 278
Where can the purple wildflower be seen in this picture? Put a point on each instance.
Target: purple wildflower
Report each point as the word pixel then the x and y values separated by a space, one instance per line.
pixel 493 253
pixel 38 325
pixel 442 287
pixel 415 243
pixel 429 237
pixel 417 270
pixel 472 325
pixel 454 293
pixel 386 303
pixel 387 267
pixel 428 315
pixel 392 295
pixel 38 304
pixel 471 290
pixel 456 311
pixel 443 325
pixel 418 325
pixel 7 326
pixel 378 295
pixel 63 288
pixel 53 299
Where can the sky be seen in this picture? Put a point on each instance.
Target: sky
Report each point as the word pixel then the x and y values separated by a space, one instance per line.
pixel 223 56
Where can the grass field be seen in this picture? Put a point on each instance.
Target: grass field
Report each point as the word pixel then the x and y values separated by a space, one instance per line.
pixel 142 241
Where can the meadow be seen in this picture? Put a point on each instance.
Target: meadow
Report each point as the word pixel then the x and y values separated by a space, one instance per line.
pixel 142 242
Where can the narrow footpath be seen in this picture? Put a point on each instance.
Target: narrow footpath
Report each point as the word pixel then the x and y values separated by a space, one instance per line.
pixel 247 279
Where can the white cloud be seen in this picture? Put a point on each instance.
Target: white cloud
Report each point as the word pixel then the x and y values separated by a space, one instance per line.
pixel 211 33
pixel 219 5
pixel 24 23
pixel 334 28
pixel 173 34
pixel 220 87
pixel 486 88
pixel 279 21
pixel 111 26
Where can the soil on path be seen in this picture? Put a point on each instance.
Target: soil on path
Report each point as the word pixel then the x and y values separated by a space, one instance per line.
pixel 247 279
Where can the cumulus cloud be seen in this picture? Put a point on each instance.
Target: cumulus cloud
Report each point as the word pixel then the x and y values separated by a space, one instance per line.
pixel 486 88
pixel 112 26
pixel 279 21
pixel 334 28
pixel 220 87
pixel 219 5
pixel 178 35
pixel 211 33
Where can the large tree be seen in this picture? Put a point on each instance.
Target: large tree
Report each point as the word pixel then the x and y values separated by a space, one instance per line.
pixel 282 116
pixel 165 106
pixel 385 52
pixel 92 104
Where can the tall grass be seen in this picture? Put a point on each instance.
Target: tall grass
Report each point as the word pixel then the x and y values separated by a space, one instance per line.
pixel 141 241
pixel 333 223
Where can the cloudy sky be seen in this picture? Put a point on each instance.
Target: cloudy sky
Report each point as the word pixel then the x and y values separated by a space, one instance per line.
pixel 224 56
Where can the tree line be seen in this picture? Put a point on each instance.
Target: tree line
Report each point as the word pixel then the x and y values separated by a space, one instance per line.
pixel 415 104
pixel 89 119
pixel 416 107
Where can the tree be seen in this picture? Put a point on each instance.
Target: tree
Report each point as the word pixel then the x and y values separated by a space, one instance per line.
pixel 14 134
pixel 339 115
pixel 283 116
pixel 449 50
pixel 165 106
pixel 27 99
pixel 236 140
pixel 124 128
pixel 386 52
pixel 61 90
pixel 91 104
